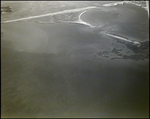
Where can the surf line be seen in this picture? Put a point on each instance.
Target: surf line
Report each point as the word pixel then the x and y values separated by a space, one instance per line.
pixel 80 21
pixel 83 22
pixel 123 39
pixel 147 6
pixel 128 2
pixel 112 4
pixel 50 14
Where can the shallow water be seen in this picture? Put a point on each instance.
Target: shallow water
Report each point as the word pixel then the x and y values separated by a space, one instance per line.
pixel 72 70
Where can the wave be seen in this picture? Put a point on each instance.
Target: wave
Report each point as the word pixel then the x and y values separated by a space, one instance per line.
pixel 123 39
pixel 127 2
pixel 80 21
pixel 50 14
pixel 112 4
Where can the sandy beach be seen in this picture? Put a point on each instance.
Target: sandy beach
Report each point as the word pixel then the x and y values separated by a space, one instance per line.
pixel 60 66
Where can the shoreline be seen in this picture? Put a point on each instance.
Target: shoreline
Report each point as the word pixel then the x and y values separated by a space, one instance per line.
pixel 73 69
pixel 71 11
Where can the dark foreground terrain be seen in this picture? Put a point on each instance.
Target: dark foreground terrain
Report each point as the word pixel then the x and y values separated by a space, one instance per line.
pixel 55 68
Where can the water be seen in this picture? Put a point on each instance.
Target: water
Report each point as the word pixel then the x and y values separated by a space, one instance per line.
pixel 73 70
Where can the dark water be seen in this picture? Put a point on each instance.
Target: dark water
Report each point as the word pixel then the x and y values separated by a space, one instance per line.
pixel 71 70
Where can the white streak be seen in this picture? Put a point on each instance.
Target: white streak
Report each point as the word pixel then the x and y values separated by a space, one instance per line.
pixel 147 4
pixel 113 4
pixel 130 2
pixel 124 39
pixel 49 14
pixel 118 37
pixel 80 21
